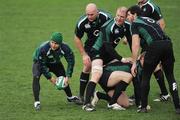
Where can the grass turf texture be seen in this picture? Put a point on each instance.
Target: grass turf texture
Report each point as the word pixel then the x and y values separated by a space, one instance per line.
pixel 25 24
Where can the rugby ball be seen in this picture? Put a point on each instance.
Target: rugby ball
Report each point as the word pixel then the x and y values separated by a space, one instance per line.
pixel 60 83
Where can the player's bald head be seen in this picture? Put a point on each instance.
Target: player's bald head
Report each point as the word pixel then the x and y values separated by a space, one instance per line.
pixel 91 11
pixel 122 10
pixel 91 7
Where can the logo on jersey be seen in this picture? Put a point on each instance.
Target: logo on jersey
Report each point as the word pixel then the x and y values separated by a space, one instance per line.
pixel 174 85
pixel 87 26
pixel 125 29
pixel 96 33
pixel 144 9
pixel 116 31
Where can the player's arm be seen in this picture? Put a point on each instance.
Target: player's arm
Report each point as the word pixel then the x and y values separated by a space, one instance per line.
pixel 159 18
pixel 79 45
pixel 45 69
pixel 128 35
pixel 85 56
pixel 79 32
pixel 162 23
pixel 135 47
pixel 106 34
pixel 43 59
pixel 69 56
pixel 111 51
pixel 135 52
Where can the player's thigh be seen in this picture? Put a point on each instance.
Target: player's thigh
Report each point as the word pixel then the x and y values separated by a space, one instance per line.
pixel 97 69
pixel 36 70
pixel 118 76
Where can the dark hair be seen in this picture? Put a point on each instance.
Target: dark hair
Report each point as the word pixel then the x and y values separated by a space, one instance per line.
pixel 135 9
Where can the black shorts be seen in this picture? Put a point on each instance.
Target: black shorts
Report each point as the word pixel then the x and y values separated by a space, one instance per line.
pixel 104 80
pixel 89 51
pixel 95 54
pixel 57 69
pixel 160 51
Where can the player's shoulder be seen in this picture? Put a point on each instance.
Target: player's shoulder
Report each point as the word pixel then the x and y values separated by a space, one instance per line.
pixel 82 20
pixel 103 13
pixel 65 47
pixel 139 19
pixel 45 46
pixel 148 4
pixel 152 5
pixel 109 23
pixel 127 23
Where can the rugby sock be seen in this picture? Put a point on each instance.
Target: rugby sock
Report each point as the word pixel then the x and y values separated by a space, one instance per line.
pixel 84 78
pixel 68 91
pixel 121 86
pixel 103 96
pixel 89 91
pixel 36 88
pixel 137 89
pixel 174 92
pixel 160 79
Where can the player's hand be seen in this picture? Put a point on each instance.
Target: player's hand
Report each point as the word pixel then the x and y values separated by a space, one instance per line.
pixel 134 69
pixel 86 60
pixel 52 80
pixel 124 41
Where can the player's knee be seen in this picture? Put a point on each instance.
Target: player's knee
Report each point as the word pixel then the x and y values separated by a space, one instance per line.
pixel 123 100
pixel 96 73
pixel 98 70
pixel 128 78
pixel 125 104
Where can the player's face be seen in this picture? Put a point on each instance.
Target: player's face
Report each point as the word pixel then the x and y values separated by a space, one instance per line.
pixel 130 17
pixel 120 17
pixel 54 45
pixel 91 14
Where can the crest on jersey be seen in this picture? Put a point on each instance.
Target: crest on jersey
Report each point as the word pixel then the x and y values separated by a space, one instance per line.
pixel 96 33
pixel 116 31
pixel 87 26
pixel 144 9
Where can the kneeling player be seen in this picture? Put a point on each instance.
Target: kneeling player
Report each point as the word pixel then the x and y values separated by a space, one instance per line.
pixel 114 81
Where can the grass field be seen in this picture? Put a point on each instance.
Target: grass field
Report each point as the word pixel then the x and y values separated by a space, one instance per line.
pixel 25 24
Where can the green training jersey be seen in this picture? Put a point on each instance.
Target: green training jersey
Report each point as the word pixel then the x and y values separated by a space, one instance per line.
pixel 45 55
pixel 118 66
pixel 91 28
pixel 110 35
pixel 148 30
pixel 150 9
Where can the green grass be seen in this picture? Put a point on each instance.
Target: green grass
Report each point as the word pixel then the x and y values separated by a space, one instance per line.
pixel 25 24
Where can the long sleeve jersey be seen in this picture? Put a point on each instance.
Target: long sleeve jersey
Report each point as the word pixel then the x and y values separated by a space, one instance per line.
pixel 46 56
